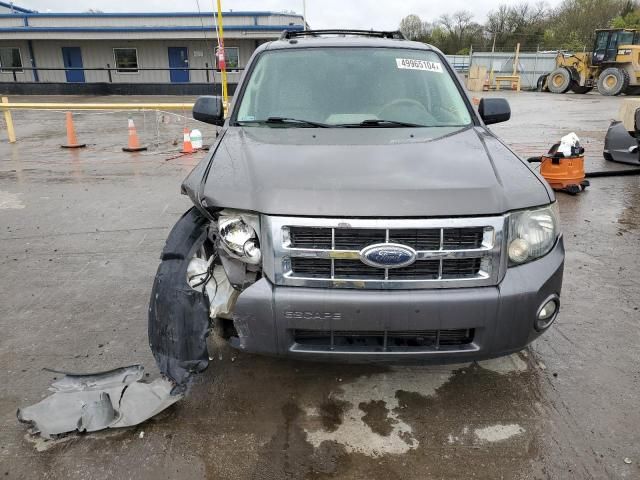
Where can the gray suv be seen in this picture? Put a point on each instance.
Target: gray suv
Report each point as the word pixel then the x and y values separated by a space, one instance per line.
pixel 356 207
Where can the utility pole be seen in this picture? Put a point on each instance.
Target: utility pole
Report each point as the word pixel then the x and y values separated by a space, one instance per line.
pixel 304 14
pixel 222 63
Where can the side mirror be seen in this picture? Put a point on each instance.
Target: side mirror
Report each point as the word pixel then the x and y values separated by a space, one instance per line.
pixel 494 110
pixel 209 109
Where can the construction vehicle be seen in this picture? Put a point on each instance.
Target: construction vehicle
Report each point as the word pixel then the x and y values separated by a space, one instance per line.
pixel 613 67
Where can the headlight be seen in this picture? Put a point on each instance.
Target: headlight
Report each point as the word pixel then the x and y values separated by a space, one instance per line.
pixel 238 235
pixel 532 233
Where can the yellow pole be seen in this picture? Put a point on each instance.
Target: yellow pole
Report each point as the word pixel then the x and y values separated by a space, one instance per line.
pixel 223 65
pixel 94 106
pixel 9 121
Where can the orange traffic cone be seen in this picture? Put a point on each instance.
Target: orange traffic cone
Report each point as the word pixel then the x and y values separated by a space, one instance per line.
pixel 72 141
pixel 486 85
pixel 134 143
pixel 187 147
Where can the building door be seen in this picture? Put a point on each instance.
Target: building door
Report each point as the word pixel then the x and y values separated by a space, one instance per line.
pixel 179 58
pixel 72 58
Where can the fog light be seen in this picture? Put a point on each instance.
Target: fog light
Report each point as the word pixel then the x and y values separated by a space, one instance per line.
pixel 518 250
pixel 547 313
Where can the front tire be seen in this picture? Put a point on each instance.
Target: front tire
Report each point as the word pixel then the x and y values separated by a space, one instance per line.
pixel 613 81
pixel 559 81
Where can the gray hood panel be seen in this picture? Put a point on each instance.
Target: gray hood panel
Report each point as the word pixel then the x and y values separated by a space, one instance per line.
pixel 381 173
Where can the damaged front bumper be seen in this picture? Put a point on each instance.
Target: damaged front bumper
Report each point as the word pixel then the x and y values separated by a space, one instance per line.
pixel 620 145
pixel 436 325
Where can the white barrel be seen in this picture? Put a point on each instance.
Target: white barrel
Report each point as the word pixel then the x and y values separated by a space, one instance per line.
pixel 196 139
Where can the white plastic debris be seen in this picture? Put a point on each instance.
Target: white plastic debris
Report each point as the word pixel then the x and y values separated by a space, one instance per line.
pixel 627 460
pixel 222 296
pixel 567 143
pixel 196 139
pixel 88 403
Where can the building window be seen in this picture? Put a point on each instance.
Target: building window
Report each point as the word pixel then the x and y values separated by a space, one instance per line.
pixel 232 58
pixel 126 60
pixel 10 59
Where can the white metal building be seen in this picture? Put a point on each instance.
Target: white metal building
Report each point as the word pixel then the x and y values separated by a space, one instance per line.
pixel 117 48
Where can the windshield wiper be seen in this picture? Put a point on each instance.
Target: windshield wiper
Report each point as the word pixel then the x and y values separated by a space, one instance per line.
pixel 286 120
pixel 377 122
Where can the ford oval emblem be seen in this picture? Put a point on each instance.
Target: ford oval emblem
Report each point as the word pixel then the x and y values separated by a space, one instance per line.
pixel 388 255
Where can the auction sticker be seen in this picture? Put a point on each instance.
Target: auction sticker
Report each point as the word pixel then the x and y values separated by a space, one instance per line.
pixel 412 64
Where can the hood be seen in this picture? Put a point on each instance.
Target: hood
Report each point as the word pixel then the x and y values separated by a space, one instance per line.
pixel 374 172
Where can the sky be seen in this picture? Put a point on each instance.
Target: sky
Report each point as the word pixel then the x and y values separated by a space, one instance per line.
pixel 376 14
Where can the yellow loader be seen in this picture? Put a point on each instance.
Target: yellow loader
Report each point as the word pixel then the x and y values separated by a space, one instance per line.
pixel 613 67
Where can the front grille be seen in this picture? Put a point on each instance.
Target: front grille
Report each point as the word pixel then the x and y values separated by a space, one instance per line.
pixel 356 239
pixel 355 269
pixel 461 267
pixel 384 340
pixel 311 267
pixel 424 269
pixel 417 239
pixel 321 252
pixel 462 238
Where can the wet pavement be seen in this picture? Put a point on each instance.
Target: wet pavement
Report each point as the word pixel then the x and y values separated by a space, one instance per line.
pixel 80 237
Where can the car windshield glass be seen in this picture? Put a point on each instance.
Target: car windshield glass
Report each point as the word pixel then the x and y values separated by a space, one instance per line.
pixel 357 87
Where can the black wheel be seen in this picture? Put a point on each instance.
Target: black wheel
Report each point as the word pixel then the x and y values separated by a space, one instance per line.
pixel 613 81
pixel 575 88
pixel 607 156
pixel 541 85
pixel 559 81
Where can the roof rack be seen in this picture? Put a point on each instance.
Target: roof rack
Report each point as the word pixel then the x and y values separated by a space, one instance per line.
pixel 288 34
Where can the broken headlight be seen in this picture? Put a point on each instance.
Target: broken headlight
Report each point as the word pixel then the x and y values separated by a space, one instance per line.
pixel 532 233
pixel 239 237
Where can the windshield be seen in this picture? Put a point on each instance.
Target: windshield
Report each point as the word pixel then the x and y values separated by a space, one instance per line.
pixel 362 87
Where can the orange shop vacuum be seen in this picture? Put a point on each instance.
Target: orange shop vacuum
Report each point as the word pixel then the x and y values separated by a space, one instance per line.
pixel 563 173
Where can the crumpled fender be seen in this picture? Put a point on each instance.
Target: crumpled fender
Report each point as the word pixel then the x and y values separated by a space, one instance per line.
pixel 178 314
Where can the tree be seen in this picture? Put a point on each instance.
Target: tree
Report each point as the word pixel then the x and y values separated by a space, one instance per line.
pixel 579 19
pixel 570 26
pixel 458 27
pixel 523 23
pixel 413 28
pixel 629 16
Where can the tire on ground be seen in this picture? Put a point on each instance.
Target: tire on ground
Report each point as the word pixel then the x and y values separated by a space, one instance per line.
pixel 575 88
pixel 541 85
pixel 613 81
pixel 559 81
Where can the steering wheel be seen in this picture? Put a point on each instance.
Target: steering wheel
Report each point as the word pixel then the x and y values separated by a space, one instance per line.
pixel 399 102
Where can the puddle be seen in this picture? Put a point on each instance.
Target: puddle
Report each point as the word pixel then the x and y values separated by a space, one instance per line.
pixel 364 416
